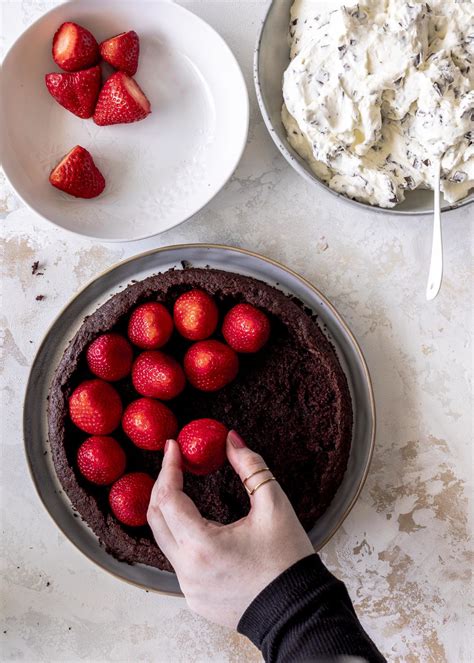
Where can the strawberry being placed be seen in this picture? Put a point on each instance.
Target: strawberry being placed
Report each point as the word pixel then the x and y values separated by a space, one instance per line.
pixel 210 365
pixel 150 326
pixel 246 328
pixel 195 315
pixel 149 423
pixel 129 498
pixel 76 91
pixel 74 47
pixel 101 460
pixel 121 101
pixel 122 52
pixel 110 357
pixel 95 407
pixel 78 175
pixel 202 444
pixel 157 375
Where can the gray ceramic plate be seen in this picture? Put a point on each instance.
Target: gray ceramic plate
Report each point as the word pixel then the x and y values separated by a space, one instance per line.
pixel 101 289
pixel 272 56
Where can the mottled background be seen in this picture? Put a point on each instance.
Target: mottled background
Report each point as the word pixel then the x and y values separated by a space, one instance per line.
pixel 404 551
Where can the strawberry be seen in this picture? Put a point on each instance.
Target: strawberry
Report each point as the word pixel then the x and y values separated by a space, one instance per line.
pixel 246 328
pixel 157 375
pixel 78 175
pixel 101 460
pixel 121 101
pixel 74 47
pixel 202 444
pixel 76 91
pixel 129 498
pixel 149 423
pixel 95 407
pixel 195 315
pixel 122 52
pixel 210 365
pixel 150 326
pixel 110 357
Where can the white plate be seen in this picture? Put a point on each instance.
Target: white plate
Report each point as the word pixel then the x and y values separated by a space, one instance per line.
pixel 159 171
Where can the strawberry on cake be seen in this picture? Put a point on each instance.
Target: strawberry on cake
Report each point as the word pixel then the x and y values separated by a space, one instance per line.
pixel 190 354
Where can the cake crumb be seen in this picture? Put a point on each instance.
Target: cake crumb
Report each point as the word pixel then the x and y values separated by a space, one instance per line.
pixel 34 267
pixel 39 298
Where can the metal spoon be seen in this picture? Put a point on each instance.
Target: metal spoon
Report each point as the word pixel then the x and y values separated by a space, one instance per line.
pixel 436 266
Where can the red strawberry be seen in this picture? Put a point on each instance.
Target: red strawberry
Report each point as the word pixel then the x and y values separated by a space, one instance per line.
pixel 110 357
pixel 101 460
pixel 78 175
pixel 210 365
pixel 202 444
pixel 95 407
pixel 122 52
pixel 157 375
pixel 195 315
pixel 150 326
pixel 129 498
pixel 121 101
pixel 74 47
pixel 245 328
pixel 149 423
pixel 76 91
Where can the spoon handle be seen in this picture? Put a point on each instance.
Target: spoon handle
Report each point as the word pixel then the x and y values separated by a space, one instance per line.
pixel 436 265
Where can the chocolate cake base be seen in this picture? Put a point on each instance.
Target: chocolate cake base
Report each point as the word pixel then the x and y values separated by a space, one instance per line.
pixel 290 402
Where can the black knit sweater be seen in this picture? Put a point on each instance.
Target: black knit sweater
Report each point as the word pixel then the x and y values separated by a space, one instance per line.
pixel 306 616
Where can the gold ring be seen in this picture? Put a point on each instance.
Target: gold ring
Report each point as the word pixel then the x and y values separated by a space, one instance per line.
pixel 262 483
pixel 263 469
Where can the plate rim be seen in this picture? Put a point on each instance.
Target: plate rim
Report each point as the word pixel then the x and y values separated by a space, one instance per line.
pixel 239 154
pixel 296 161
pixel 225 248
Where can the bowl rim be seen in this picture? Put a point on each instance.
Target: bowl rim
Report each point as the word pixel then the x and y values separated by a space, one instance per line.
pixel 358 351
pixel 237 160
pixel 296 161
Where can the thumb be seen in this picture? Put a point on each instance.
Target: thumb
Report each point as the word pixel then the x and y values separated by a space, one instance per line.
pixel 252 470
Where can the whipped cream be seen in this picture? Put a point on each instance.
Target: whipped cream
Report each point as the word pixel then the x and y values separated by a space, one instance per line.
pixel 378 95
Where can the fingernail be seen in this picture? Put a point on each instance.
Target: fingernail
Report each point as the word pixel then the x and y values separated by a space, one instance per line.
pixel 167 444
pixel 235 440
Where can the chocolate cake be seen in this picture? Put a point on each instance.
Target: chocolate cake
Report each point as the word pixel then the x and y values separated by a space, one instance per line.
pixel 290 402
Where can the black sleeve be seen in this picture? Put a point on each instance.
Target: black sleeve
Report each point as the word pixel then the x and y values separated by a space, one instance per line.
pixel 306 615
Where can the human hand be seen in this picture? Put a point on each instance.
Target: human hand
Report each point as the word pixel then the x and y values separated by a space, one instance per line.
pixel 222 568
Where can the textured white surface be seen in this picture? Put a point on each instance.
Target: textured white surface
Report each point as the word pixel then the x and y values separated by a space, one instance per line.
pixel 404 551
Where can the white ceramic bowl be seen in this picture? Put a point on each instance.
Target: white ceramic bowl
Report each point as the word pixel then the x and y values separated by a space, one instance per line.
pixel 159 171
pixel 272 56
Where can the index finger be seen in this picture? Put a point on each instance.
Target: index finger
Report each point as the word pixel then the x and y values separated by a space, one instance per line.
pixel 179 511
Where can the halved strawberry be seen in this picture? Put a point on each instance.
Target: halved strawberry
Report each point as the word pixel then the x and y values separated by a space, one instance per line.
pixel 74 47
pixel 122 52
pixel 78 175
pixel 76 91
pixel 121 101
